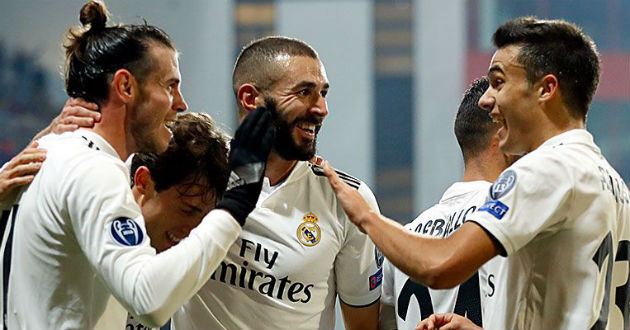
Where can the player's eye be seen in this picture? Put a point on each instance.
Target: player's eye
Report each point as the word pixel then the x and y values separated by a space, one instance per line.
pixel 496 82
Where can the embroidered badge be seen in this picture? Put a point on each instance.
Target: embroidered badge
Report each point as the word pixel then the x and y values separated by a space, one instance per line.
pixel 503 184
pixel 376 279
pixel 496 208
pixel 126 231
pixel 309 233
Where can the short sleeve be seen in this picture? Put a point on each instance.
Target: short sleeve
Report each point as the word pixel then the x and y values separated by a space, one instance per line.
pixel 358 270
pixel 529 197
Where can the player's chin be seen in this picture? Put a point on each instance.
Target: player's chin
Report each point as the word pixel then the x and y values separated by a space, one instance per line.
pixel 163 137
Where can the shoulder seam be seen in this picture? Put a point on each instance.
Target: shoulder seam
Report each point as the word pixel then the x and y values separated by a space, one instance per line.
pixel 350 180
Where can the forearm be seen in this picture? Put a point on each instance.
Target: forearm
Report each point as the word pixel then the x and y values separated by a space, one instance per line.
pixel 156 287
pixel 360 317
pixel 387 317
pixel 437 263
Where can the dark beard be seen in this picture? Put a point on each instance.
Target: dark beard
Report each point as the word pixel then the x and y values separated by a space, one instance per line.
pixel 284 145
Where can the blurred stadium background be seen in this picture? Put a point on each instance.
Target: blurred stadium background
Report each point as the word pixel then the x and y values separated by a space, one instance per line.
pixel 397 70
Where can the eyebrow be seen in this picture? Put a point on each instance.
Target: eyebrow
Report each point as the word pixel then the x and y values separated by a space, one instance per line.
pixel 173 81
pixel 309 84
pixel 495 68
pixel 193 207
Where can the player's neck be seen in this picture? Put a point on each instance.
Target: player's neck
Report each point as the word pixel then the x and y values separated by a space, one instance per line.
pixel 278 168
pixel 557 119
pixel 484 168
pixel 111 128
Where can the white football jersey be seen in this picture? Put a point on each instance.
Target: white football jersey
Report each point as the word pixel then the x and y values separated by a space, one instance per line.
pixel 414 302
pixel 79 236
pixel 7 207
pixel 561 214
pixel 297 251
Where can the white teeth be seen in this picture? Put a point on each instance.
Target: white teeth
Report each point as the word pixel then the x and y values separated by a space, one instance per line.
pixel 307 127
pixel 173 237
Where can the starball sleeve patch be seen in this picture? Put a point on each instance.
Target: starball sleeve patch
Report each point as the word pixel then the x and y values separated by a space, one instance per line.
pixel 503 184
pixel 126 231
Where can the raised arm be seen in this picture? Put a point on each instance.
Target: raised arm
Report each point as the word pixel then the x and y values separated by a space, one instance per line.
pixel 437 263
pixel 75 113
pixel 20 170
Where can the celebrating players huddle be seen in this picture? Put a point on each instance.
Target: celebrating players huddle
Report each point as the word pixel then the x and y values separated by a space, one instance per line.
pixel 260 235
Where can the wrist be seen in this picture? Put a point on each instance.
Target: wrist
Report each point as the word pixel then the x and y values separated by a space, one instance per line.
pixel 369 221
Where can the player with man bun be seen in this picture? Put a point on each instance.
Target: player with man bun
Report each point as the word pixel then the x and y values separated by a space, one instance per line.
pixel 77 234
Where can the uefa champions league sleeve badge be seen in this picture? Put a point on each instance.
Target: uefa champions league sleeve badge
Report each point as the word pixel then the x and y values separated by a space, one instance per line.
pixel 126 231
pixel 309 233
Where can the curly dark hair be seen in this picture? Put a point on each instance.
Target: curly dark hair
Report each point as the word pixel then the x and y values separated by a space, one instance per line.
pixel 196 155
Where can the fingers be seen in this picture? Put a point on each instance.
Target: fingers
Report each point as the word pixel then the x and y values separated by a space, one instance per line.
pixel 333 178
pixel 58 129
pixel 9 184
pixel 24 170
pixel 81 103
pixel 37 156
pixel 28 155
pixel 17 175
pixel 267 141
pixel 427 324
pixel 76 113
pixel 447 321
pixel 249 123
pixel 261 127
pixel 316 160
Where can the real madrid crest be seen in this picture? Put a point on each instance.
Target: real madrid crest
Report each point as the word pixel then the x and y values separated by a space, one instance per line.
pixel 309 233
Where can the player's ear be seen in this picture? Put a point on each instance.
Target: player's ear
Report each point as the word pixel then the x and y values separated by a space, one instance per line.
pixel 248 97
pixel 124 85
pixel 143 184
pixel 548 87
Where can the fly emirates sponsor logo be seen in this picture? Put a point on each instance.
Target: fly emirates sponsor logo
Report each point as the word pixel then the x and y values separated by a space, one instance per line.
pixel 242 275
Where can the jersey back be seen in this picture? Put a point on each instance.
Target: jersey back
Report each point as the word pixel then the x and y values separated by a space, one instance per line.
pixel 414 302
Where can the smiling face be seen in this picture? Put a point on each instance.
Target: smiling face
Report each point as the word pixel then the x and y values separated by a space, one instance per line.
pixel 171 214
pixel 300 99
pixel 159 101
pixel 513 102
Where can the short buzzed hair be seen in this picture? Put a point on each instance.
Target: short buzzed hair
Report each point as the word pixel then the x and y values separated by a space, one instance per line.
pixel 473 126
pixel 257 60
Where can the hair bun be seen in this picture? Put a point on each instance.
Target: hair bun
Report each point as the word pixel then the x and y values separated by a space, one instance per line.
pixel 95 14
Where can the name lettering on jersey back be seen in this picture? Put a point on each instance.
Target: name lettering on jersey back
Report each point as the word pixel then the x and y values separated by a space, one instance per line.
pixel 245 277
pixel 614 185
pixel 444 227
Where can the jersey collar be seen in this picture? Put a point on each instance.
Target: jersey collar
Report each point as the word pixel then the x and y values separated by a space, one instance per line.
pixel 574 136
pixel 99 142
pixel 461 188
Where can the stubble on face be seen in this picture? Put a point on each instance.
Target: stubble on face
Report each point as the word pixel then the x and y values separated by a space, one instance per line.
pixel 285 144
pixel 153 108
pixel 141 129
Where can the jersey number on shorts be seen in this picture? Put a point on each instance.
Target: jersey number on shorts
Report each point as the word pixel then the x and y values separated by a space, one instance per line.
pixel 622 293
pixel 468 300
